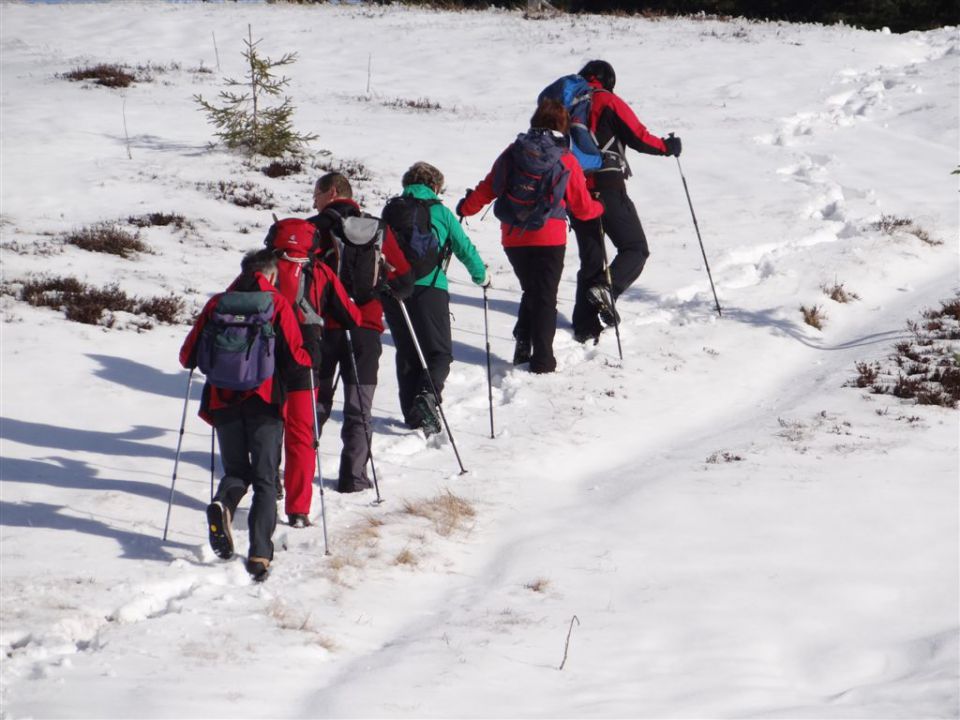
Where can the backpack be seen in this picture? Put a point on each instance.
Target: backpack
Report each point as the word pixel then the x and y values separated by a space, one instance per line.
pixel 358 242
pixel 409 218
pixel 531 182
pixel 293 237
pixel 236 348
pixel 576 94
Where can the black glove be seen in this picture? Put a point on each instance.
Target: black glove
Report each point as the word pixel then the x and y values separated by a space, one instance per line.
pixel 673 145
pixel 459 209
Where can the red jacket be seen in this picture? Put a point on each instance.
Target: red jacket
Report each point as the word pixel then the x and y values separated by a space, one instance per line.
pixel 576 199
pixel 399 272
pixel 613 121
pixel 290 352
pixel 325 292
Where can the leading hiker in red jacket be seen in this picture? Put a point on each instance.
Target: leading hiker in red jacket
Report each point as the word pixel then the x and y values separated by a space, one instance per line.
pixel 248 423
pixel 534 231
pixel 616 128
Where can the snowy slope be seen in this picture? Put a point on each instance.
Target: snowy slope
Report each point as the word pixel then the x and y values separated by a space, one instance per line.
pixel 737 533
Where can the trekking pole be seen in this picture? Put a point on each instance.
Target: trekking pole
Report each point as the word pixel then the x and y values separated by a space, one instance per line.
pixel 316 450
pixel 176 461
pixel 486 335
pixel 433 388
pixel 213 433
pixel 697 228
pixel 368 431
pixel 613 306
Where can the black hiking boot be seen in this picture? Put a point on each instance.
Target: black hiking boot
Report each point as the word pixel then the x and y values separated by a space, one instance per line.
pixel 602 301
pixel 299 520
pixel 426 407
pixel 522 352
pixel 218 523
pixel 258 568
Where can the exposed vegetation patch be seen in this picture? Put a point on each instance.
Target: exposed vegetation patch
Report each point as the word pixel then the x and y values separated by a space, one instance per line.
pixel 282 168
pixel 892 225
pixel 161 219
pixel 107 238
pixel 723 456
pixel 354 170
pixel 447 512
pixel 539 585
pixel 93 305
pixel 421 104
pixel 242 194
pixel 925 368
pixel 107 75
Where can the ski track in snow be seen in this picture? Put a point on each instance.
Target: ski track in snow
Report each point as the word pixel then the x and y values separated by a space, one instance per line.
pixel 456 599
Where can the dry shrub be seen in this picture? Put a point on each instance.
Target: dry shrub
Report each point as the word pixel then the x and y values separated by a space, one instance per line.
pixel 106 238
pixel 86 304
pixel 813 316
pixel 424 104
pixel 282 168
pixel 114 76
pixel 244 194
pixel 406 557
pixel 838 293
pixel 447 512
pixel 925 368
pixel 723 456
pixel 160 219
pixel 539 585
pixel 354 170
pixel 891 225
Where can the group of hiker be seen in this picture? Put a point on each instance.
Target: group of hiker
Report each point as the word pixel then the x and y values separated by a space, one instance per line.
pixel 308 310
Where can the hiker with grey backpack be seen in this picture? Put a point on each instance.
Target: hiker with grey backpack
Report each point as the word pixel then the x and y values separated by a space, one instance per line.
pixel 369 263
pixel 535 183
pixel 429 235
pixel 248 344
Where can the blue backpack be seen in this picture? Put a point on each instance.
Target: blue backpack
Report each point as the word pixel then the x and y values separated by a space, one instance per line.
pixel 237 346
pixel 576 94
pixel 530 181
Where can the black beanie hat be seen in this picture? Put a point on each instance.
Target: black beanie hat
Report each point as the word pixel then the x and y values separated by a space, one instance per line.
pixel 602 71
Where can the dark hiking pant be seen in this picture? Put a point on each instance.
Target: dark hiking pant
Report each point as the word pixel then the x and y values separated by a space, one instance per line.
pixel 538 268
pixel 249 437
pixel 429 310
pixel 358 391
pixel 620 223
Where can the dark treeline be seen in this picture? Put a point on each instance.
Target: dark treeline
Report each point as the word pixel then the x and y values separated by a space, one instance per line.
pixel 898 15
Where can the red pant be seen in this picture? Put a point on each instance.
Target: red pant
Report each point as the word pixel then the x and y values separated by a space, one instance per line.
pixel 300 457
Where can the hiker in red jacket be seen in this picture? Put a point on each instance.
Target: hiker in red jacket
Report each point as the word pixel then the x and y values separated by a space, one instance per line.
pixel 616 128
pixel 248 422
pixel 314 290
pixel 365 272
pixel 533 225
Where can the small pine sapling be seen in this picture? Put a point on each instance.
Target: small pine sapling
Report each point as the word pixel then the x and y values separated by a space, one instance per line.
pixel 244 122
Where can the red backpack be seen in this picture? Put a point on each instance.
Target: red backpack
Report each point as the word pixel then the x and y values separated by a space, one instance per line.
pixel 296 241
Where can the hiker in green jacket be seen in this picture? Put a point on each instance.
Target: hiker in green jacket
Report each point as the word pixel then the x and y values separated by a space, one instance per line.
pixel 418 218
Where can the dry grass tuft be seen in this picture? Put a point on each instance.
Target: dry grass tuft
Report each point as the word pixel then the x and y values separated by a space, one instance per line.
pixel 107 238
pixel 447 512
pixel 813 316
pixel 838 293
pixel 406 557
pixel 539 585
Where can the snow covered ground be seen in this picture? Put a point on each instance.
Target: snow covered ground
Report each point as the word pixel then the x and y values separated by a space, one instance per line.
pixel 736 532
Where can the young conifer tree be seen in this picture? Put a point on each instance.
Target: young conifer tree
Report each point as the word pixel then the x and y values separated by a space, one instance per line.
pixel 244 121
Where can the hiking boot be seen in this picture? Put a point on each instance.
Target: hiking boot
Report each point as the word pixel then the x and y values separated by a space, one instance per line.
pixel 258 568
pixel 218 523
pixel 426 407
pixel 299 520
pixel 602 301
pixel 592 336
pixel 522 352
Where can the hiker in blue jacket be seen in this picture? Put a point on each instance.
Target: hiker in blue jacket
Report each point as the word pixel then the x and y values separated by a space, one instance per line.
pixel 429 306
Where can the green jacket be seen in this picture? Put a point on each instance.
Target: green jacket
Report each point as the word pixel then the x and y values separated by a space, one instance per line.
pixel 448 230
